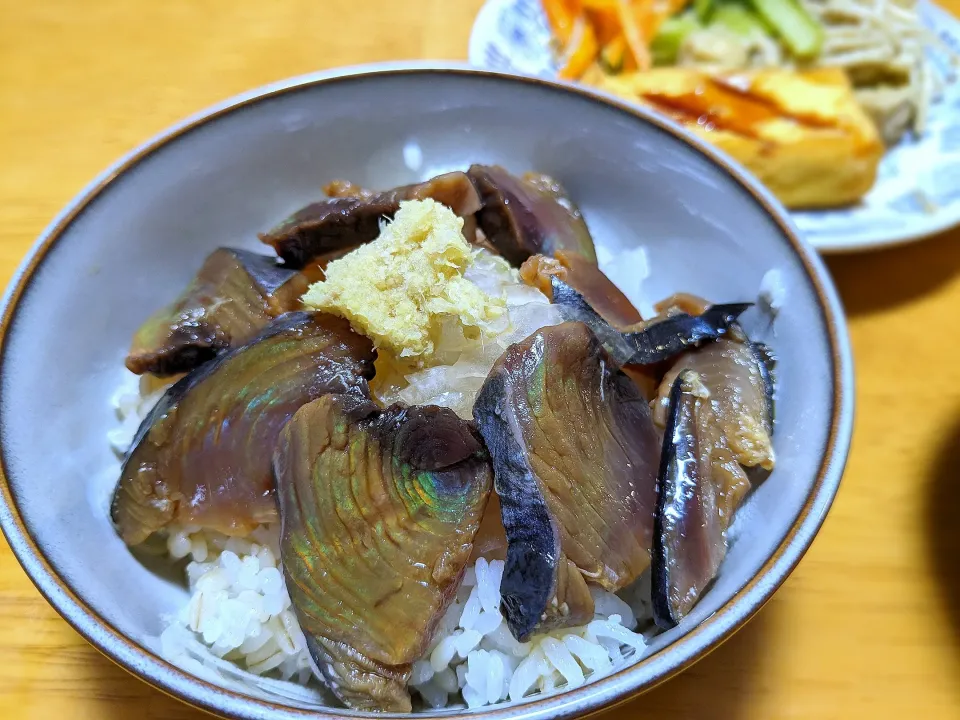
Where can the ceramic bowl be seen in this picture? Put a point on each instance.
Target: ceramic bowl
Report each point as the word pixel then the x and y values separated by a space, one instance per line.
pixel 130 241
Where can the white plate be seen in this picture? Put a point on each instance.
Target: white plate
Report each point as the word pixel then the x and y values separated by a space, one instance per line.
pixel 918 186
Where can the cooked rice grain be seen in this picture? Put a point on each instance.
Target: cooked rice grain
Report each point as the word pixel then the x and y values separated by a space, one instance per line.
pixel 474 647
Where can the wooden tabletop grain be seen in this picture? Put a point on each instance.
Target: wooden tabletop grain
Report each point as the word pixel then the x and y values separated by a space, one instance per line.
pixel 868 625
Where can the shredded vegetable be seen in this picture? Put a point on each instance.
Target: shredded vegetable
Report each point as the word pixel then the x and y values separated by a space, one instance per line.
pixel 800 32
pixel 881 44
pixel 618 34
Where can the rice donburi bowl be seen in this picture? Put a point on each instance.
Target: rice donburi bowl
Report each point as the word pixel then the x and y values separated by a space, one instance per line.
pixel 461 467
pixel 133 601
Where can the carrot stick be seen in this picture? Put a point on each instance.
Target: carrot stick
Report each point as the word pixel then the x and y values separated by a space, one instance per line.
pixel 562 16
pixel 653 13
pixel 616 56
pixel 582 55
pixel 636 41
pixel 605 21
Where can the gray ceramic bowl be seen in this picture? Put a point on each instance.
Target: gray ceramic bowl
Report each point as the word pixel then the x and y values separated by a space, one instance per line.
pixel 131 240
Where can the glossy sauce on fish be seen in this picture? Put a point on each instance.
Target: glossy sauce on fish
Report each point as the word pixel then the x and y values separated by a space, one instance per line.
pixel 528 216
pixel 575 454
pixel 232 297
pixel 202 456
pixel 380 509
pixel 353 217
pixel 689 541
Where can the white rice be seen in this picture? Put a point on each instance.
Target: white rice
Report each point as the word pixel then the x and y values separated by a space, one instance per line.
pixel 475 657
pixel 239 607
pixel 132 407
pixel 773 291
pixel 629 269
pixel 239 613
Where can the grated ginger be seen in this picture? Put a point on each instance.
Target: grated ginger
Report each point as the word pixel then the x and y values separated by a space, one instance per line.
pixel 402 289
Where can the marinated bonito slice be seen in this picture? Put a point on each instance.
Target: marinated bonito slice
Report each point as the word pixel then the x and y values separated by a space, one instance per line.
pixel 716 404
pixel 202 455
pixel 529 216
pixel 736 373
pixel 345 188
pixel 597 290
pixel 689 542
pixel 575 455
pixel 347 221
pixel 661 339
pixel 491 540
pixel 380 509
pixel 232 297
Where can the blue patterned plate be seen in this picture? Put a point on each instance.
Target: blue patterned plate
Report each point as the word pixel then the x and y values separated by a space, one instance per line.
pixel 918 186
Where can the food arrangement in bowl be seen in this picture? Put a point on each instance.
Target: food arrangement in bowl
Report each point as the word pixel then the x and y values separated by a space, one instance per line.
pixel 200 548
pixel 428 454
pixel 810 95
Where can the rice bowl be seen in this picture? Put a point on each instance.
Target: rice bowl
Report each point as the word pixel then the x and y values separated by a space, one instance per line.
pixel 231 703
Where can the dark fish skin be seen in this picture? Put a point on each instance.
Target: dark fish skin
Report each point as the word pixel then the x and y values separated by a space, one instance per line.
pixel 330 225
pixel 660 340
pixel 689 542
pixel 716 404
pixel 268 274
pixel 187 346
pixel 231 298
pixel 532 563
pixel 575 308
pixel 666 338
pixel 767 362
pixel 380 509
pixel 529 216
pixel 202 455
pixel 574 454
pixel 337 223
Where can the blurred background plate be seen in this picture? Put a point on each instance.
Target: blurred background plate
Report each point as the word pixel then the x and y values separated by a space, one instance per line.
pixel 918 185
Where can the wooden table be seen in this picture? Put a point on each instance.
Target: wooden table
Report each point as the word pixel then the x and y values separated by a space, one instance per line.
pixel 869 624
